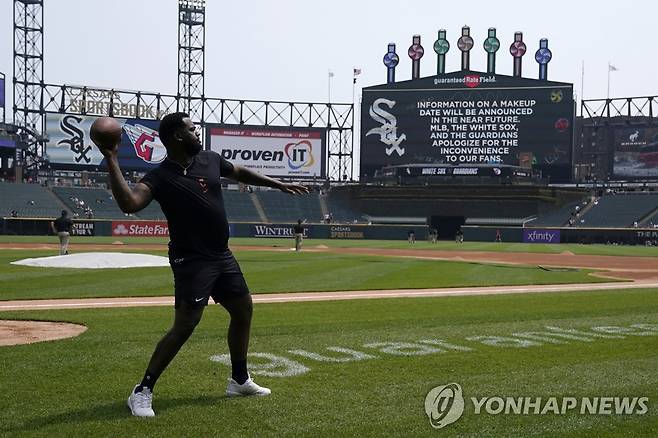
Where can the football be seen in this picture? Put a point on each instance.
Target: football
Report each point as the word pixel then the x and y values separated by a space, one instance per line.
pixel 106 133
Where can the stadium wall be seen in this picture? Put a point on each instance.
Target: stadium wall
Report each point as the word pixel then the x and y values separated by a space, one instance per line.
pixel 624 236
pixel 140 228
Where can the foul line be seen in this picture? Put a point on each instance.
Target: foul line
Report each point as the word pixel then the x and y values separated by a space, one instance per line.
pixel 327 296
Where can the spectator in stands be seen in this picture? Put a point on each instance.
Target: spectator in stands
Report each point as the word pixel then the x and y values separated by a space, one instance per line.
pixel 635 224
pixel 299 235
pixel 411 236
pixel 14 213
pixel 62 227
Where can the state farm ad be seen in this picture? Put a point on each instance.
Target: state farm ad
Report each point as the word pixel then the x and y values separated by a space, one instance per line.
pixel 140 228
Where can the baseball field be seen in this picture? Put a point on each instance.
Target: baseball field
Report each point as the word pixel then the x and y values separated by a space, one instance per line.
pixel 351 336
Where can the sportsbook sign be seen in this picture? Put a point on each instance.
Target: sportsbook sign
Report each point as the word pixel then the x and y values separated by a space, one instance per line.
pixel 70 147
pixel 272 151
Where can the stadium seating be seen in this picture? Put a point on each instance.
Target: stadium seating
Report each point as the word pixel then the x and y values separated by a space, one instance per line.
pixel 556 218
pixel 99 200
pixel 620 210
pixel 500 204
pixel 340 210
pixel 282 207
pixel 240 207
pixel 28 200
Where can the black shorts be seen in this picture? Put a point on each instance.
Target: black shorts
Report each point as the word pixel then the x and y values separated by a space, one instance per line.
pixel 197 279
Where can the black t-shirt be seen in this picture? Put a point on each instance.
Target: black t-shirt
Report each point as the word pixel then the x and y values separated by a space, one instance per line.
pixel 63 224
pixel 192 202
pixel 298 229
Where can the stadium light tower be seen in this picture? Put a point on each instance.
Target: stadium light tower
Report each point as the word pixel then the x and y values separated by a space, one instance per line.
pixel 28 64
pixel 191 57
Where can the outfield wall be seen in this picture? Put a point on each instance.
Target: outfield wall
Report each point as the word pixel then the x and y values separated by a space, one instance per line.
pixel 624 236
pixel 143 228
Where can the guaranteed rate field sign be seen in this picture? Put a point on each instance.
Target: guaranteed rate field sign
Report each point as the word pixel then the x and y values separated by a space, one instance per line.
pixel 288 152
pixel 468 118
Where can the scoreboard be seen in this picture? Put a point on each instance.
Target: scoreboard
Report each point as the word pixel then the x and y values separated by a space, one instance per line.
pixel 468 118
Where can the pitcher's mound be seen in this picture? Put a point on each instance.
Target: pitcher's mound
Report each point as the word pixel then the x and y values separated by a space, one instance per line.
pixel 28 332
pixel 96 260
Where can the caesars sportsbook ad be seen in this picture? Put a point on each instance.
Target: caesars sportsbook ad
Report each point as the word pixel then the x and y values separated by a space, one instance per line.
pixel 69 145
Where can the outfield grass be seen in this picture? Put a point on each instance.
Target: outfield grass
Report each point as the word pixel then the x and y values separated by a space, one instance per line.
pixel 612 250
pixel 77 387
pixel 269 272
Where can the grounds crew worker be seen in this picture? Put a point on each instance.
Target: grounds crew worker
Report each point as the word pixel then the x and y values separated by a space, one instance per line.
pixel 62 227
pixel 299 235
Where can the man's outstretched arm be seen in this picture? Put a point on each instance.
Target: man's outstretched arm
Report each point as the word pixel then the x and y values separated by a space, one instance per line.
pixel 129 200
pixel 248 176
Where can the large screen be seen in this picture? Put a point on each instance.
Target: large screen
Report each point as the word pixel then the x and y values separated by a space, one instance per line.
pixel 284 152
pixel 70 147
pixel 635 152
pixel 468 118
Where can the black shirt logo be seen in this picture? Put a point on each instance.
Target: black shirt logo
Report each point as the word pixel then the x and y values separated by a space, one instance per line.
pixel 203 184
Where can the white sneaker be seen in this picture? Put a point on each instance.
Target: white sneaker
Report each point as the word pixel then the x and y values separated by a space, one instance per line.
pixel 234 389
pixel 140 403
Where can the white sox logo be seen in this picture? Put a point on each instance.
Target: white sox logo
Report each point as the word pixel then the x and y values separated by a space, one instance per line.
pixel 76 140
pixel 388 132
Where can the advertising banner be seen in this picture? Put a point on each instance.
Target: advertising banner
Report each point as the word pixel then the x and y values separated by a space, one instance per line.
pixel 346 232
pixel 541 236
pixel 275 230
pixel 287 152
pixel 70 147
pixel 635 152
pixel 468 118
pixel 140 228
pixel 83 228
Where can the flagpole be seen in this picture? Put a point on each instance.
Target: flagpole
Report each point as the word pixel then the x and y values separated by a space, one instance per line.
pixel 353 85
pixel 608 92
pixel 582 80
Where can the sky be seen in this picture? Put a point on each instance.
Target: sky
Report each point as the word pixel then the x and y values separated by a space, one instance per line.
pixel 283 50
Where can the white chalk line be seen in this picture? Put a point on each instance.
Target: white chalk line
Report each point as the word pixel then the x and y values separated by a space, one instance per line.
pixel 332 296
